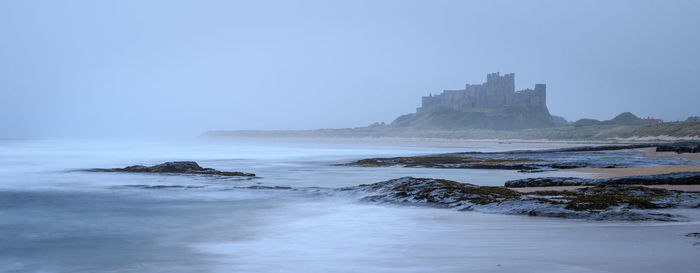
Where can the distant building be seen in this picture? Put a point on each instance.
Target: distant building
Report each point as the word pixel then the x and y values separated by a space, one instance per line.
pixel 649 120
pixel 491 105
pixel 497 92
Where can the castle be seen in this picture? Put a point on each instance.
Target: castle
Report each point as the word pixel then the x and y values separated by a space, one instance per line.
pixel 497 92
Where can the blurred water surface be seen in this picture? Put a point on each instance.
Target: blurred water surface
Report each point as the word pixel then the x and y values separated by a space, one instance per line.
pixel 56 218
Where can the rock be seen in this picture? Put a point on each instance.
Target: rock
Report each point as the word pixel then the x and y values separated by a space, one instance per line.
pixel 693 235
pixel 681 178
pixel 603 202
pixel 609 156
pixel 183 167
pixel 547 182
pixel 679 148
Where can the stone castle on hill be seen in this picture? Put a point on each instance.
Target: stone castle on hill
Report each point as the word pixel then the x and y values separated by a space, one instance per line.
pixel 491 105
pixel 497 92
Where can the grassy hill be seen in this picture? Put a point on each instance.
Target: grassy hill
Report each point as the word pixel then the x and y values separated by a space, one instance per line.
pixel 506 118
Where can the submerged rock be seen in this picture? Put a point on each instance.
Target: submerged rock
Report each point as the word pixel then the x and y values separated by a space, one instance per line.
pixel 681 178
pixel 182 167
pixel 604 202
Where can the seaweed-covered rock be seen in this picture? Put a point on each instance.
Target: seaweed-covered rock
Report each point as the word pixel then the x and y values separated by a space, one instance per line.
pixel 177 167
pixel 603 202
pixel 439 191
pixel 680 178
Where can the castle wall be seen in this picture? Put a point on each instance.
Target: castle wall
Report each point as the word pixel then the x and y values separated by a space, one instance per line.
pixel 497 92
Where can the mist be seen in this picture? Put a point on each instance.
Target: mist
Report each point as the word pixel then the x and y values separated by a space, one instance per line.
pixel 178 68
pixel 339 136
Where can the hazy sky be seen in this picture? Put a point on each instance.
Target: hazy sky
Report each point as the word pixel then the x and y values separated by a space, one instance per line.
pixel 117 68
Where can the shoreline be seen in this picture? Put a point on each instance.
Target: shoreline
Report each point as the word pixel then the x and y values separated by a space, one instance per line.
pixel 445 137
pixel 664 133
pixel 436 142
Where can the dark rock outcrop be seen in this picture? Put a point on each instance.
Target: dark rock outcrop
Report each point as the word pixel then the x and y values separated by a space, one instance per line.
pixel 690 147
pixel 682 178
pixel 609 156
pixel 174 167
pixel 603 202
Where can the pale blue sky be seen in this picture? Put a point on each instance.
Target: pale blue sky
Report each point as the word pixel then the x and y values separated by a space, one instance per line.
pixel 116 68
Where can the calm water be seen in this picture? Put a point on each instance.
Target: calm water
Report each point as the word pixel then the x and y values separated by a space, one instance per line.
pixel 54 218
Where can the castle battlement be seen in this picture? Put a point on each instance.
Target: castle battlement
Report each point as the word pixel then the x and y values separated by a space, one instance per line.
pixel 497 92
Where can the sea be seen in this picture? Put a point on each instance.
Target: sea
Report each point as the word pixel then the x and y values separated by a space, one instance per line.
pixel 56 217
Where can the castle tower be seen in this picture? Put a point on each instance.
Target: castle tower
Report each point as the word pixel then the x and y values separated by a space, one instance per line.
pixel 502 85
pixel 541 87
pixel 540 95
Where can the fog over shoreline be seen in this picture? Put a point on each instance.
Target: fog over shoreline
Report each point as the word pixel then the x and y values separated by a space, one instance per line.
pixel 176 68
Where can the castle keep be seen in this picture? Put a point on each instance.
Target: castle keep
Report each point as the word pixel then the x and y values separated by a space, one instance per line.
pixel 497 92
